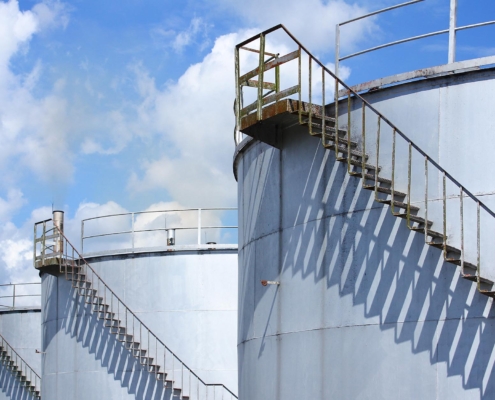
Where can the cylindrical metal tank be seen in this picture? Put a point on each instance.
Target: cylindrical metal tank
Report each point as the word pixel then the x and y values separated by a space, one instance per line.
pixel 21 329
pixel 186 294
pixel 359 306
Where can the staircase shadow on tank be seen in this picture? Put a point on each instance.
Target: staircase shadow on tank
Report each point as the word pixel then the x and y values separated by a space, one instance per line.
pixel 81 325
pixel 337 236
pixel 11 387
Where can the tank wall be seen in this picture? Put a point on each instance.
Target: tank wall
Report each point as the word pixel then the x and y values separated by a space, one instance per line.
pixel 188 300
pixel 22 330
pixel 448 118
pixel 364 309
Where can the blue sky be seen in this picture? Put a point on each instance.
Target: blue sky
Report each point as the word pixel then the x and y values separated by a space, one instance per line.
pixel 124 106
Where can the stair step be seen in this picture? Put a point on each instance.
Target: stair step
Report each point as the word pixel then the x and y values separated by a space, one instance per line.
pixel 400 204
pixel 379 179
pixel 449 248
pixel 360 164
pixel 419 220
pixel 343 150
pixel 489 293
pixel 386 190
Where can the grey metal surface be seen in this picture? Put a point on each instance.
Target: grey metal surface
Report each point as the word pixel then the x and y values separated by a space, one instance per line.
pixel 22 330
pixel 364 309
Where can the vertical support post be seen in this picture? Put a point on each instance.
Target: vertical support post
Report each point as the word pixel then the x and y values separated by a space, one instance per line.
pixel 199 225
pixel 82 237
pixel 426 198
pixel 300 86
pixel 478 263
pixel 310 93
pixel 392 204
pixel 238 91
pixel 132 234
pixel 444 216
pixel 13 298
pixel 409 178
pixel 277 77
pixel 337 49
pixel 377 155
pixel 323 119
pixel 462 230
pixel 452 30
pixel 261 70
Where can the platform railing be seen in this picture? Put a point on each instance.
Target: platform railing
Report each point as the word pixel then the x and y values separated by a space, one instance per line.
pixel 452 46
pixel 196 224
pixel 153 354
pixel 19 293
pixel 19 368
pixel 462 216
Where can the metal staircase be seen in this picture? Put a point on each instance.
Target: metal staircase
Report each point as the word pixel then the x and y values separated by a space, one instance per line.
pixel 16 365
pixel 392 182
pixel 53 250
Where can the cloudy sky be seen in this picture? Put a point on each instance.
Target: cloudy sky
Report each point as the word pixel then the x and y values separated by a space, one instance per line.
pixel 122 106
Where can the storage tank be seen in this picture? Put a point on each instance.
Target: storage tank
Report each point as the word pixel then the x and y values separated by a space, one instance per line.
pixel 147 311
pixel 366 230
pixel 20 341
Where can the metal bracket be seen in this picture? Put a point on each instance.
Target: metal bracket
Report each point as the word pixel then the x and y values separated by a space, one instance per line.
pixel 265 283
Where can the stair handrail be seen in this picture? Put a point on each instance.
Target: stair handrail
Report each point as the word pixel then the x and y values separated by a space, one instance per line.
pixel 246 116
pixel 349 89
pixel 128 310
pixel 37 378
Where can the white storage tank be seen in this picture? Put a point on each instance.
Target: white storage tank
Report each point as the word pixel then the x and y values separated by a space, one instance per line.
pixel 165 301
pixel 20 341
pixel 338 298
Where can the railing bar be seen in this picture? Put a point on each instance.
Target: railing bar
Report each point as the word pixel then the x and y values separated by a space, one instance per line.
pixel 443 31
pixel 460 28
pixel 379 11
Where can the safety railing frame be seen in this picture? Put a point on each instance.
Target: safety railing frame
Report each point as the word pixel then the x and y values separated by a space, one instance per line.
pixel 451 31
pixel 199 228
pixel 14 295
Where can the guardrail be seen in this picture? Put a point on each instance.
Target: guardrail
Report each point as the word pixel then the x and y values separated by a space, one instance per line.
pixel 19 294
pixel 20 368
pixel 376 131
pixel 451 31
pixel 148 222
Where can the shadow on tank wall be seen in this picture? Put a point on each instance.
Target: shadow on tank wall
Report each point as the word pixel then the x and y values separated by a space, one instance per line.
pixel 97 351
pixel 309 225
pixel 11 388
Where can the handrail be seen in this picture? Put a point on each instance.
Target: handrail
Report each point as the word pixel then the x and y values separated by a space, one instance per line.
pixel 27 371
pixel 70 254
pixel 200 227
pixel 358 96
pixel 451 30
pixel 15 295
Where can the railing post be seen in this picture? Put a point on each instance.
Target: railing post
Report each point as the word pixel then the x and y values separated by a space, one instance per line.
pixel 238 95
pixel 82 237
pixel 337 49
pixel 452 30
pixel 261 70
pixel 199 225
pixel 13 298
pixel 132 234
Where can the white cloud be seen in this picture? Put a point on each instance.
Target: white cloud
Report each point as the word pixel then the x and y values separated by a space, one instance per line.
pixel 185 38
pixel 311 21
pixel 32 130
pixel 194 116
